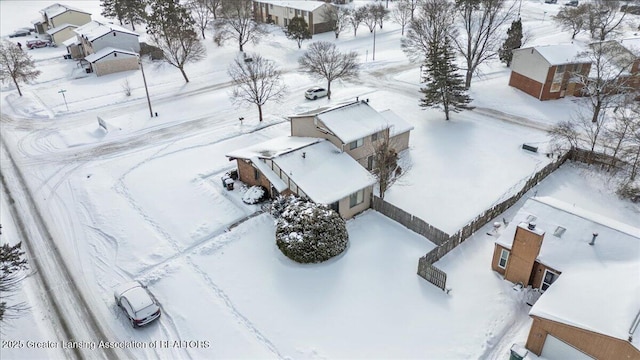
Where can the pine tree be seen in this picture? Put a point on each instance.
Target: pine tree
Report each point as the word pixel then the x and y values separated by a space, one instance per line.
pixel 12 264
pixel 171 28
pixel 444 85
pixel 513 41
pixel 298 30
pixel 112 9
pixel 134 11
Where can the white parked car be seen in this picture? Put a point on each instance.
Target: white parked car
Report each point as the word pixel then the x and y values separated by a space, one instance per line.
pixel 137 302
pixel 315 92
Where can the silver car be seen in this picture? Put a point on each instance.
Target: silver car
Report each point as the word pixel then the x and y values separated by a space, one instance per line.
pixel 137 302
pixel 315 92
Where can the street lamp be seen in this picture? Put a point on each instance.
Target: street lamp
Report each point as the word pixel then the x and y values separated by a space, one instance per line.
pixel 62 91
pixel 144 79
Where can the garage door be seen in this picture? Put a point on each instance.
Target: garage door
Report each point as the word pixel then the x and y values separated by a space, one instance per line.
pixel 556 349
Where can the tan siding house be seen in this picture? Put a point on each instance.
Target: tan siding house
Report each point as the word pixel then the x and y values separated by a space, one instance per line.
pixel 586 278
pixel 57 15
pixel 62 33
pixel 280 12
pixel 110 60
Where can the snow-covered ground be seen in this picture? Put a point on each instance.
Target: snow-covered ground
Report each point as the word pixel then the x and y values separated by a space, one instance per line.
pixel 144 201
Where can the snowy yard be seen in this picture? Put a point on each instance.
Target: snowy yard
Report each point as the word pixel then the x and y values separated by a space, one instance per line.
pixel 144 201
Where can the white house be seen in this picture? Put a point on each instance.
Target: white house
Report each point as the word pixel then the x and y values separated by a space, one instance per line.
pixel 311 168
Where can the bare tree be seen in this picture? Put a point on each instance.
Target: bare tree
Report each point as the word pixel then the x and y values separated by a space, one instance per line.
pixel 481 22
pixel 631 151
pixel 356 17
pixel 324 60
pixel 564 136
pixel 12 265
pixel 573 18
pixel 413 5
pixel 170 27
pixel 380 13
pixel 431 25
pixel 236 23
pixel 621 130
pixel 16 65
pixel 213 6
pixel 256 81
pixel 604 17
pixel 201 14
pixel 385 165
pixel 338 17
pixel 607 78
pixel 369 18
pixel 402 14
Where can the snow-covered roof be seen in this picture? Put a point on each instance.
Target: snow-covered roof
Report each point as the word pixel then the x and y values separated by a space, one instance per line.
pixel 60 28
pixel 57 9
pixel 72 41
pixel 106 52
pixel 617 59
pixel 632 44
pixel 398 125
pixel 324 173
pixel 353 121
pixel 272 148
pixel 594 277
pixel 37 21
pixel 306 5
pixel 95 29
pixel 560 54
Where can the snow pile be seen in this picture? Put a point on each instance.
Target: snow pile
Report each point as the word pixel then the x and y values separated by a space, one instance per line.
pixel 307 232
pixel 253 195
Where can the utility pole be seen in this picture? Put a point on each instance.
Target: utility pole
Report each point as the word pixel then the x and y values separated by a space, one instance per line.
pixel 374 43
pixel 62 91
pixel 146 89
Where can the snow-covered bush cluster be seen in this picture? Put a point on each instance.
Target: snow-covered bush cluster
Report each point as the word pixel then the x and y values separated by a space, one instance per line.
pixel 254 195
pixel 307 232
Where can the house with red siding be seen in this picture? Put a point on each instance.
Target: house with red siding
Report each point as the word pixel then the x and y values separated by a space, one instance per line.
pixel 549 72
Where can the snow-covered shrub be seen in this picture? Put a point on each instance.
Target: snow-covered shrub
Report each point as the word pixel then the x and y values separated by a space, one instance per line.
pixel 310 233
pixel 280 203
pixel 254 195
pixel 629 191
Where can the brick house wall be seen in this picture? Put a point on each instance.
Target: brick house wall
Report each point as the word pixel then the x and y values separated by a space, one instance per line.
pixel 597 345
pixel 525 84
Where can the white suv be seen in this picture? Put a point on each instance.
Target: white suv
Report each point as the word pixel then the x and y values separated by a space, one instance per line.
pixel 137 302
pixel 315 92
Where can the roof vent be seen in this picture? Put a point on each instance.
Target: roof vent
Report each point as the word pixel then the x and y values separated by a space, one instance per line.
pixel 304 154
pixel 593 240
pixel 559 231
pixel 532 226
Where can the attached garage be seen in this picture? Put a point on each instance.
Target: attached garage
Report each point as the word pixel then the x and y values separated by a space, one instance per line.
pixel 556 349
pixel 110 60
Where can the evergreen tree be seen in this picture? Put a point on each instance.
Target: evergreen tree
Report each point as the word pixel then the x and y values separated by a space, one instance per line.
pixel 112 9
pixel 444 86
pixel 171 28
pixel 513 41
pixel 298 30
pixel 134 11
pixel 12 264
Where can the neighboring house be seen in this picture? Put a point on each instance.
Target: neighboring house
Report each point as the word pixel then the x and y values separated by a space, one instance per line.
pixel 355 128
pixel 108 48
pixel 60 34
pixel 311 168
pixel 588 269
pixel 57 15
pixel 110 60
pixel 281 12
pixel 548 72
pixel 622 61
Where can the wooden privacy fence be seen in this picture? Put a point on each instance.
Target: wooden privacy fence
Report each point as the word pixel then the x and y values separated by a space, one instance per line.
pixel 446 242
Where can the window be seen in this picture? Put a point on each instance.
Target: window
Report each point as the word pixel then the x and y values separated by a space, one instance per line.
pixel 356 198
pixel 356 144
pixel 304 13
pixel 256 174
pixel 271 6
pixel 549 278
pixel 578 68
pixel 559 231
pixel 370 162
pixel 374 137
pixel 560 69
pixel 504 256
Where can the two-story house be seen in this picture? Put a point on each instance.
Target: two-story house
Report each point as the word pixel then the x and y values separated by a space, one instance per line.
pixel 355 128
pixel 549 72
pixel 107 48
pixel 280 12
pixel 587 268
pixel 58 21
pixel 325 157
